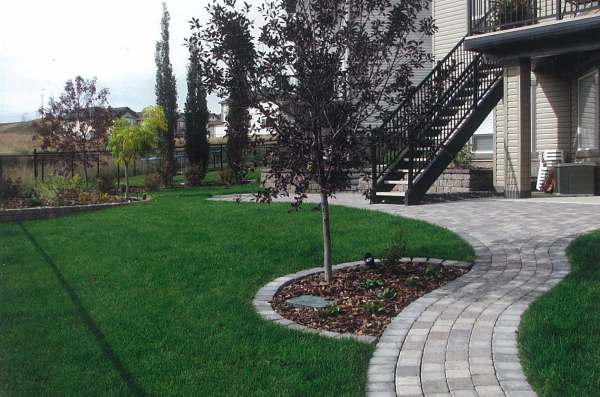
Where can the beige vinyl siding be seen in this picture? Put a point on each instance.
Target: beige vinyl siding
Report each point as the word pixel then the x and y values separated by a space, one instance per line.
pixel 511 123
pixel 499 155
pixel 553 113
pixel 420 74
pixel 451 21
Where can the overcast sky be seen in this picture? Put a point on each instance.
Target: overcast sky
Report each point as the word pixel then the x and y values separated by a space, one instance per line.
pixel 44 43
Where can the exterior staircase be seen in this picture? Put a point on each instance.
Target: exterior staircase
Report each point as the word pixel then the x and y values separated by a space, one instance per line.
pixel 418 141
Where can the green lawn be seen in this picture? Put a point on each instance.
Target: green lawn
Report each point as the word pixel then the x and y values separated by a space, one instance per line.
pixel 155 299
pixel 559 336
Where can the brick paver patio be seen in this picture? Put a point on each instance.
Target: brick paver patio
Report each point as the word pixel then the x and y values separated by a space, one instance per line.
pixel 460 340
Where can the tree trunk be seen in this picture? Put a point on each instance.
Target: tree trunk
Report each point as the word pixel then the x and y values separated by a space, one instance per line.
pixel 327 264
pixel 126 181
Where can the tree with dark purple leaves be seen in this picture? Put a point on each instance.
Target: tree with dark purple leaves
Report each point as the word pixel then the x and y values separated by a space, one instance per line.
pixel 325 72
pixel 77 122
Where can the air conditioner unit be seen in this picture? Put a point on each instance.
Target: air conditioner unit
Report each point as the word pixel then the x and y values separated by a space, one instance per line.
pixel 576 179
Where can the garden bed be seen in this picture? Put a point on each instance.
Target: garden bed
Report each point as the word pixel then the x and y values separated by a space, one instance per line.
pixel 366 298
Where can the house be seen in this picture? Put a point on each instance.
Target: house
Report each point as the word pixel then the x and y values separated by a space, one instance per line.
pixel 527 68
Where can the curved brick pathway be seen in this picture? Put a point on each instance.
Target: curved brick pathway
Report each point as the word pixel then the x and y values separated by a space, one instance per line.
pixel 460 340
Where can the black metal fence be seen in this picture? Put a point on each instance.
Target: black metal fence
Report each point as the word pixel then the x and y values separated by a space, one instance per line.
pixel 492 15
pixel 38 165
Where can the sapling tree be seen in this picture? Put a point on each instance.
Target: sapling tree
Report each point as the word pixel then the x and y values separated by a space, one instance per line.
pixel 325 72
pixel 128 141
pixel 228 56
pixel 77 122
pixel 196 120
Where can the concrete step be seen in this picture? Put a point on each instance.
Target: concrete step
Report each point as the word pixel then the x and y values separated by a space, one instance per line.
pixel 391 194
pixel 397 182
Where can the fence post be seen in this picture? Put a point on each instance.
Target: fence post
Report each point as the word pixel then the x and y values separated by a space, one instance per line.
pixel 35 172
pixel 118 177
pixel 221 155
pixel 42 164
pixel 98 166
pixel 73 164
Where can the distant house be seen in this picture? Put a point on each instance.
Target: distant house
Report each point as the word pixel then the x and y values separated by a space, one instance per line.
pixel 126 113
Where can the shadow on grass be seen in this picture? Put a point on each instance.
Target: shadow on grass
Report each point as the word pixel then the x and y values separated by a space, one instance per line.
pixel 133 386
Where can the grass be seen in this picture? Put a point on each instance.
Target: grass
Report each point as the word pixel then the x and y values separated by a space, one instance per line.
pixel 559 336
pixel 155 298
pixel 17 138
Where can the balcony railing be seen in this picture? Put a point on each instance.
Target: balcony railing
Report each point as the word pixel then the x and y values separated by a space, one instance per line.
pixel 492 15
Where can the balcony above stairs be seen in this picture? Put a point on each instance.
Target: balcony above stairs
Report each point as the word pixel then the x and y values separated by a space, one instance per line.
pixel 420 139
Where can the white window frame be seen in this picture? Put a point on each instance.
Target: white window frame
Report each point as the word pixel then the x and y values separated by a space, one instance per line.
pixel 482 154
pixel 596 74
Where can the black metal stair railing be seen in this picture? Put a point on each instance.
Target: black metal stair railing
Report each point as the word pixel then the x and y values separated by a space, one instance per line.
pixel 431 114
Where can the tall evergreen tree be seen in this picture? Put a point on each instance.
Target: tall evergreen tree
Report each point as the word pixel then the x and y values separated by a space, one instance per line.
pixel 228 57
pixel 166 97
pixel 196 120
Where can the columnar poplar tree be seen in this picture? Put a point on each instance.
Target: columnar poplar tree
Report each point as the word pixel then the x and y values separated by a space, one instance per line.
pixel 166 98
pixel 196 120
pixel 228 56
pixel 325 71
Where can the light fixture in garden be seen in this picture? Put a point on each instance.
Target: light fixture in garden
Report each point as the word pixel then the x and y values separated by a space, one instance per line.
pixel 369 260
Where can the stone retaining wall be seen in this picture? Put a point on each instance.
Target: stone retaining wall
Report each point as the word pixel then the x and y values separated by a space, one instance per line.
pixel 453 180
pixel 27 214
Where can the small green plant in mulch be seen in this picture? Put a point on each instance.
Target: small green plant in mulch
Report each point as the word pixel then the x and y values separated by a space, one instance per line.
pixel 376 307
pixel 373 283
pixel 397 249
pixel 413 282
pixel 330 311
pixel 433 273
pixel 388 294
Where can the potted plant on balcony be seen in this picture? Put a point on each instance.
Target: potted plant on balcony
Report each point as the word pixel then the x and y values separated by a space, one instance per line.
pixel 508 14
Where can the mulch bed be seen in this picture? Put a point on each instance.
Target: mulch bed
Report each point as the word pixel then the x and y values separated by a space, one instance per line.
pixel 362 308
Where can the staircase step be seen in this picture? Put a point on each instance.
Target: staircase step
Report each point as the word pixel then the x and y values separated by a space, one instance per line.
pixel 391 194
pixel 396 182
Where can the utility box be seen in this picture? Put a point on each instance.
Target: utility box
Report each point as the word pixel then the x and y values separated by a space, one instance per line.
pixel 576 179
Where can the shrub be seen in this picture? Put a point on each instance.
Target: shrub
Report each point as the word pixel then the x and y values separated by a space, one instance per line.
pixel 58 190
pixel 397 249
pixel 86 197
pixel 10 189
pixel 105 183
pixel 195 174
pixel 464 158
pixel 227 176
pixel 152 182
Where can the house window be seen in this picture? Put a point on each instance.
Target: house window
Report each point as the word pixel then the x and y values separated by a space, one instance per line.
pixel 588 135
pixel 483 140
